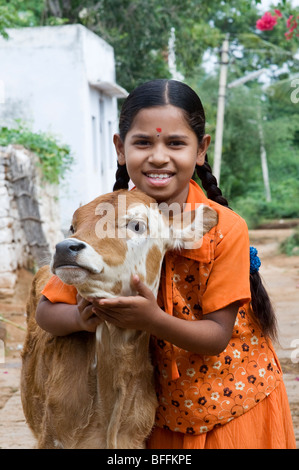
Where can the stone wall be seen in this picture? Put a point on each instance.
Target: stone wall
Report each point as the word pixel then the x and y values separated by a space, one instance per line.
pixel 29 216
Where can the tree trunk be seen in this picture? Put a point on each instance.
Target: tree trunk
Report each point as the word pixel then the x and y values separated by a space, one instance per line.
pixel 24 191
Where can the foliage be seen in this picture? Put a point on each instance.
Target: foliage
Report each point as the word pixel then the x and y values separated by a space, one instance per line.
pixel 269 21
pixel 247 108
pixel 14 14
pixel 242 172
pixel 54 158
pixel 141 47
pixel 290 246
pixel 20 13
pixel 139 30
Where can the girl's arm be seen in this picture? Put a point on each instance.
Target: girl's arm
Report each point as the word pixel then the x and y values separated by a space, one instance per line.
pixel 208 336
pixel 61 319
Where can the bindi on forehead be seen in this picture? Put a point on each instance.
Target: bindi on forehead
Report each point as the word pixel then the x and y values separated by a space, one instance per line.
pixel 159 130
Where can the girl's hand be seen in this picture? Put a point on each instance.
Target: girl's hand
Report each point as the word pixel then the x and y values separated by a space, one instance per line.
pixel 86 318
pixel 208 336
pixel 134 312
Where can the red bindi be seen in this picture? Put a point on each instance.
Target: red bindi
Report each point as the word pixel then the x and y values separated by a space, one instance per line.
pixel 158 129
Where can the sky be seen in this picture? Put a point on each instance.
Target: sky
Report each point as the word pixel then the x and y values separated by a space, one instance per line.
pixel 265 4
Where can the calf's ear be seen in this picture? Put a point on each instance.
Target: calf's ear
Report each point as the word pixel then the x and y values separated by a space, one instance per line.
pixel 187 228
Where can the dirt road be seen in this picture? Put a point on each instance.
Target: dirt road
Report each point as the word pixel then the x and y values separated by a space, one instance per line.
pixel 281 276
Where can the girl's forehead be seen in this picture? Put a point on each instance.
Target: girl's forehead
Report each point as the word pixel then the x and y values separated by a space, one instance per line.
pixel 166 118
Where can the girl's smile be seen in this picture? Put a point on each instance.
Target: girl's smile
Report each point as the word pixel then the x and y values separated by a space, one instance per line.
pixel 157 178
pixel 161 164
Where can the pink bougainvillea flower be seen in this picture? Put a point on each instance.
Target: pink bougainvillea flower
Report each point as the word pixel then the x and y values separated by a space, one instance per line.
pixel 289 21
pixel 288 35
pixel 267 22
pixel 291 25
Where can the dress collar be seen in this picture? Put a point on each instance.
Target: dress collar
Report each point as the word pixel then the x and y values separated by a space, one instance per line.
pixel 204 253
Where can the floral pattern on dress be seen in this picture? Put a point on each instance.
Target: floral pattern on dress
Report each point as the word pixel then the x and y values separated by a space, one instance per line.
pixel 210 390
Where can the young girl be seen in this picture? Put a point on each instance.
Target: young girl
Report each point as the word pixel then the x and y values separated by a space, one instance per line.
pixel 218 381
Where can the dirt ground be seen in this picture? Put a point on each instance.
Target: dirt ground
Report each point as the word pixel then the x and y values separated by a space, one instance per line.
pixel 281 277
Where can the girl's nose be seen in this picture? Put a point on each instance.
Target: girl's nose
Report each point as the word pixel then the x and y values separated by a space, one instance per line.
pixel 159 155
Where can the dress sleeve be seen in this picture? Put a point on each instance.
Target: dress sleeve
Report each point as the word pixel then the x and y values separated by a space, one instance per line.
pixel 229 280
pixel 56 291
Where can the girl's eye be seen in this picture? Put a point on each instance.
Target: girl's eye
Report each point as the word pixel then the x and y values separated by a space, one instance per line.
pixel 142 143
pixel 176 143
pixel 137 226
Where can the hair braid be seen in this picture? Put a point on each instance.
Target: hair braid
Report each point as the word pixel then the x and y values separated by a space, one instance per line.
pixel 121 178
pixel 262 307
pixel 209 183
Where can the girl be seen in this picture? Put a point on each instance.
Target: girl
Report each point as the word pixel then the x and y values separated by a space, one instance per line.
pixel 218 380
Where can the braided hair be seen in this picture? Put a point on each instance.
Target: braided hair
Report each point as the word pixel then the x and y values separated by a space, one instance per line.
pixel 209 183
pixel 122 178
pixel 162 92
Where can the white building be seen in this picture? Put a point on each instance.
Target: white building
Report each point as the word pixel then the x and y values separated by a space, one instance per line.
pixel 61 79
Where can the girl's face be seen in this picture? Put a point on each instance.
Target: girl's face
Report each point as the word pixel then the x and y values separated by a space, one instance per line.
pixel 160 152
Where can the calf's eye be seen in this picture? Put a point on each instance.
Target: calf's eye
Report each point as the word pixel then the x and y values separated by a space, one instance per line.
pixel 137 226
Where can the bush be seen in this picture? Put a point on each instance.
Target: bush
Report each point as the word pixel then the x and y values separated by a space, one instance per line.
pixel 290 246
pixel 250 208
pixel 54 158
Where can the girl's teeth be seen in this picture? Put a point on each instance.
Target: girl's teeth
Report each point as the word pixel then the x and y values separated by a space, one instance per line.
pixel 158 176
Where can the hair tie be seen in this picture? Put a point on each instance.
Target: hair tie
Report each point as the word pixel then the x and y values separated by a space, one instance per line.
pixel 255 262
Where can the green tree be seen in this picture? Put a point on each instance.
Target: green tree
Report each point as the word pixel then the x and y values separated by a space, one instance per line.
pixel 139 30
pixel 22 13
pixel 249 107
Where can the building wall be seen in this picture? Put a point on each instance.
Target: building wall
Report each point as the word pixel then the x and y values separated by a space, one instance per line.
pixel 47 73
pixel 15 252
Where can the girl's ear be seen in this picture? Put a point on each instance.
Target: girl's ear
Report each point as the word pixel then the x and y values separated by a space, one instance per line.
pixel 119 147
pixel 202 149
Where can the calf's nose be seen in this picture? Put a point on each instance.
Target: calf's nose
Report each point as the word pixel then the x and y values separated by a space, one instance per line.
pixel 69 246
pixel 66 252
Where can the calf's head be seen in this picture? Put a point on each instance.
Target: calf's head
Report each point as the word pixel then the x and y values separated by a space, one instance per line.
pixel 121 234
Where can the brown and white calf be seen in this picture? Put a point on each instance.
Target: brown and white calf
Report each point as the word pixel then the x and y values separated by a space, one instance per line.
pixel 90 390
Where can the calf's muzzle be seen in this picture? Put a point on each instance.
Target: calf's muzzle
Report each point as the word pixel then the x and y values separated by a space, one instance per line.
pixel 66 252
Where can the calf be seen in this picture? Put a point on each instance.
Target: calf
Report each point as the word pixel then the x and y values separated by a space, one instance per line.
pixel 90 390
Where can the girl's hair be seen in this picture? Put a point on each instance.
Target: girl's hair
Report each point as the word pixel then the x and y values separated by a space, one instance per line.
pixel 161 92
